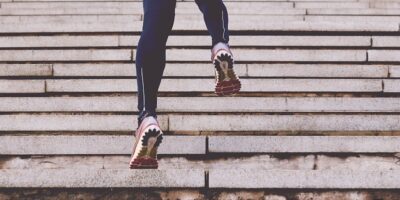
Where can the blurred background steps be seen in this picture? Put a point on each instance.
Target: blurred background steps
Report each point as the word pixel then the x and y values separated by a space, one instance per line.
pixel 317 118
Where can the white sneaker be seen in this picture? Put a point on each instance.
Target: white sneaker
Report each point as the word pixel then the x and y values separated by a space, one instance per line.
pixel 226 80
pixel 148 138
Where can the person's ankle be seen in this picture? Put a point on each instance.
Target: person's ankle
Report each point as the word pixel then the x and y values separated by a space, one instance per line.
pixel 144 114
pixel 220 46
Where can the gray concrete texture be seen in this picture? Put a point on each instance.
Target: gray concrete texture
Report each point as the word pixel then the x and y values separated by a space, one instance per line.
pixel 101 178
pixel 195 122
pixel 202 104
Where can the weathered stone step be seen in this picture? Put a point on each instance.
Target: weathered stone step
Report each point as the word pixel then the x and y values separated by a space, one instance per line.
pixel 139 5
pixel 189 25
pixel 80 8
pixel 248 55
pixel 94 145
pixel 191 122
pixel 197 55
pixel 336 122
pixel 321 179
pixel 198 85
pixel 102 178
pixel 26 19
pixel 218 178
pixel 201 104
pixel 385 4
pixel 263 161
pixel 302 144
pixel 352 11
pixel 207 85
pixel 384 55
pixel 202 70
pixel 193 40
pixel 66 55
pixel 22 86
pixel 392 85
pixel 70 19
pixel 279 55
pixel 389 41
pixel 316 4
pixel 61 122
pixel 114 145
pixel 264 4
pixel 352 18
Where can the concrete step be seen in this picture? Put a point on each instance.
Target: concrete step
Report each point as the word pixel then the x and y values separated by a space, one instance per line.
pixel 207 85
pixel 22 86
pixel 352 18
pixel 102 178
pixel 394 71
pixel 201 70
pixel 71 19
pixel 303 144
pixel 176 69
pixel 218 178
pixel 353 11
pixel 194 85
pixel 202 122
pixel 385 4
pixel 95 145
pixel 84 122
pixel 389 41
pixel 321 70
pixel 391 86
pixel 193 40
pixel 118 18
pixel 66 55
pixel 264 4
pixel 80 8
pixel 384 55
pixel 316 4
pixel 139 5
pixel 300 179
pixel 188 25
pixel 32 70
pixel 248 70
pixel 202 104
pixel 336 122
pixel 197 55
pixel 122 145
pixel 277 55
pixel 260 40
pixel 255 161
pixel 183 18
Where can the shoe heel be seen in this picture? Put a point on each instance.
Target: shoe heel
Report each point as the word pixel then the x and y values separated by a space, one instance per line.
pixel 147 158
pixel 228 83
pixel 228 88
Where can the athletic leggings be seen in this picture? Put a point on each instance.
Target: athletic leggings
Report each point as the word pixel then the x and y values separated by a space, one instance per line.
pixel 150 55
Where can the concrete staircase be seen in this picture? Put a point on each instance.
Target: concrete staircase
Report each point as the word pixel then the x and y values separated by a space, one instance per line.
pixel 317 118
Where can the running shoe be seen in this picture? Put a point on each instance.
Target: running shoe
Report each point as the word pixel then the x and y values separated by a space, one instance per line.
pixel 148 138
pixel 226 81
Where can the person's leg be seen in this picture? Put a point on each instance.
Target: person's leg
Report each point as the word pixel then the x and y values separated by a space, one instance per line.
pixel 216 18
pixel 150 63
pixel 150 55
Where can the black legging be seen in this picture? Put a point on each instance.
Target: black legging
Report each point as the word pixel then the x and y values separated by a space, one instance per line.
pixel 150 55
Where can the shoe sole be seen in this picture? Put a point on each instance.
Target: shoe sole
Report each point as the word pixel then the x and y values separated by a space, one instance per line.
pixel 232 85
pixel 149 143
pixel 225 88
